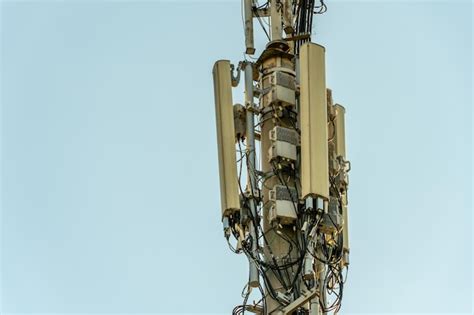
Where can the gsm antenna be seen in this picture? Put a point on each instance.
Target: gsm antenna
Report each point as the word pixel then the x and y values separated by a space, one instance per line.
pixel 282 164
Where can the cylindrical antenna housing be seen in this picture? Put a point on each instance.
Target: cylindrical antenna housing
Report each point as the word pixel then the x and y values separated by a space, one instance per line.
pixel 251 178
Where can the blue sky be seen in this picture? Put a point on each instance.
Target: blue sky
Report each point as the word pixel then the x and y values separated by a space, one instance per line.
pixel 110 197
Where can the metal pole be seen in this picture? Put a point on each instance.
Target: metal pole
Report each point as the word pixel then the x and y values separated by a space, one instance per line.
pixel 276 9
pixel 252 177
pixel 248 14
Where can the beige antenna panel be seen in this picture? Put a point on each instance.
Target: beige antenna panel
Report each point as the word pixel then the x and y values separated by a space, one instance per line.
pixel 313 117
pixel 339 122
pixel 226 138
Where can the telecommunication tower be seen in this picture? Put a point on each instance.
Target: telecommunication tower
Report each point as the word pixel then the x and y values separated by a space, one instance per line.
pixel 282 163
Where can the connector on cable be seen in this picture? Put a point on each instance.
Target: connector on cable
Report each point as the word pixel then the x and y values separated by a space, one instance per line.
pixel 332 220
pixel 226 227
pixel 315 204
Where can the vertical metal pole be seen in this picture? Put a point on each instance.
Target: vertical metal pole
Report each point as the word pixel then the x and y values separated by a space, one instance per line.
pixel 322 286
pixel 251 178
pixel 276 9
pixel 249 44
pixel 314 306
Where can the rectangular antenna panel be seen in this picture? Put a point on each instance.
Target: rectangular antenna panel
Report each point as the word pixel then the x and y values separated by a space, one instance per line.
pixel 313 118
pixel 226 137
pixel 339 122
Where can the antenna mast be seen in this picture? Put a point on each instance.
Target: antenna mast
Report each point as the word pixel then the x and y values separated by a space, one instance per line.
pixel 282 163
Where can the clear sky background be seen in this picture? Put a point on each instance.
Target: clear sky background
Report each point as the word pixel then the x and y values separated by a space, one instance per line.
pixel 110 197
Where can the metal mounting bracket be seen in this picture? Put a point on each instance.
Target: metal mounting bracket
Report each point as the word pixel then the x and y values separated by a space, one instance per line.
pixel 296 303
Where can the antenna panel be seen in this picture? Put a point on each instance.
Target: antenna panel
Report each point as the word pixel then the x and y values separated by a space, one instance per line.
pixel 226 138
pixel 339 122
pixel 313 118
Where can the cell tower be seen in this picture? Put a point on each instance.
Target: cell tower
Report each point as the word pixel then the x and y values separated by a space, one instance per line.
pixel 282 163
